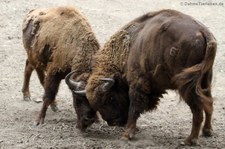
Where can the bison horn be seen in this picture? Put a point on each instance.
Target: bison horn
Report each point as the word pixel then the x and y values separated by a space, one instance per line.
pixel 81 93
pixel 69 81
pixel 109 83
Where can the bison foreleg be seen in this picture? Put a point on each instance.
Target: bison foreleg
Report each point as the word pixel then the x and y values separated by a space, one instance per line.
pixel 51 85
pixel 27 74
pixel 41 76
pixel 130 131
pixel 42 113
pixel 134 114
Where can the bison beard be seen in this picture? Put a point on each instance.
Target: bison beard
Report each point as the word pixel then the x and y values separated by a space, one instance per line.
pixel 58 40
pixel 155 52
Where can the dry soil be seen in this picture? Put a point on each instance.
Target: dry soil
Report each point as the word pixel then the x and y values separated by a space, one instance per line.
pixel 165 127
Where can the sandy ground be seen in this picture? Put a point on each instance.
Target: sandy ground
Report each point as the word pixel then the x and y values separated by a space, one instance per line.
pixel 165 127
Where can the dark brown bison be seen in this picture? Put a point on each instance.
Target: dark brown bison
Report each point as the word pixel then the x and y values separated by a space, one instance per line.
pixel 57 40
pixel 155 52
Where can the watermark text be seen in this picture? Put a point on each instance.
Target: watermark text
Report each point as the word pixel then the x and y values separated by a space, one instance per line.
pixel 198 3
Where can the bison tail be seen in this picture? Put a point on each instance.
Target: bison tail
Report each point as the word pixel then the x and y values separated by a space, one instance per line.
pixel 198 77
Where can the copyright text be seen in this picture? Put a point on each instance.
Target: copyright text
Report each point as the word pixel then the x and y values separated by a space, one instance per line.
pixel 202 4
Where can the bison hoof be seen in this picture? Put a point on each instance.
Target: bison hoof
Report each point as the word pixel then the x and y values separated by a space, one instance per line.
pixel 54 108
pixel 38 124
pixel 125 139
pixel 26 98
pixel 39 121
pixel 190 142
pixel 37 100
pixel 207 132
pixel 127 136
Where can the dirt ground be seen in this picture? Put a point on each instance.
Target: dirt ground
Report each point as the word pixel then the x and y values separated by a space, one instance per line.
pixel 165 127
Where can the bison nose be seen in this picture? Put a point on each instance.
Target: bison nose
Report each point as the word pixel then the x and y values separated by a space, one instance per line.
pixel 111 123
pixel 118 122
pixel 89 118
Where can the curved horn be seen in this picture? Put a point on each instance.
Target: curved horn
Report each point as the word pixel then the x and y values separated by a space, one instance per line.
pixel 80 93
pixel 69 81
pixel 109 83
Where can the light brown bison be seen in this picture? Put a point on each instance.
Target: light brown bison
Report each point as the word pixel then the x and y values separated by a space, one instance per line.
pixel 58 40
pixel 155 52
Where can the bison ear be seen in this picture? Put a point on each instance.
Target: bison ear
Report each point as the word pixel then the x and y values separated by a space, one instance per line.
pixel 108 83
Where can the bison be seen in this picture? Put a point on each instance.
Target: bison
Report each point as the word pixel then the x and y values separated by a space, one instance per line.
pixel 153 53
pixel 58 40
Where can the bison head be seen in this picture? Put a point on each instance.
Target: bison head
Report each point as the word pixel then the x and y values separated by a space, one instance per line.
pixel 85 114
pixel 109 96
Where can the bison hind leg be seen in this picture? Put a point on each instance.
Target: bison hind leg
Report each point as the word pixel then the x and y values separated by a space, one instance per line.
pixel 27 74
pixel 207 128
pixel 208 105
pixel 196 105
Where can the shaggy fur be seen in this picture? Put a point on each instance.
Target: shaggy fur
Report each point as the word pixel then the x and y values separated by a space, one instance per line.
pixel 57 40
pixel 155 52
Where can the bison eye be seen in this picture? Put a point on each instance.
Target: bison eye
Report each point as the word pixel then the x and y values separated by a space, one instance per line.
pixel 111 100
